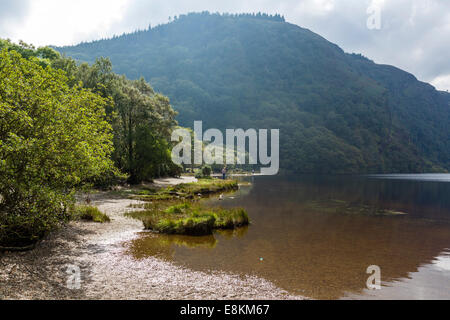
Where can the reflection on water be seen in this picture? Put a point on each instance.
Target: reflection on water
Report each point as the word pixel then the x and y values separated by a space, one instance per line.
pixel 316 236
pixel 421 177
pixel 237 233
pixel 163 246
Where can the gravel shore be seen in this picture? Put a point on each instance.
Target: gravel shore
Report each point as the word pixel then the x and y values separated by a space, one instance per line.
pixel 107 272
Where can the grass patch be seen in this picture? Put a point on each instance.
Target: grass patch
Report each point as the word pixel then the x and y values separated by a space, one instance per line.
pixel 90 213
pixel 157 197
pixel 190 218
pixel 205 186
pixel 186 191
pixel 179 208
pixel 231 218
pixel 175 210
pixel 194 225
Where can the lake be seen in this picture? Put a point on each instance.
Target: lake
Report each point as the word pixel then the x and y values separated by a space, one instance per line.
pixel 316 236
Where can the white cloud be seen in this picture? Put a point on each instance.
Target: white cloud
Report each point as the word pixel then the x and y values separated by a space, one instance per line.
pixel 315 7
pixel 66 22
pixel 12 13
pixel 442 82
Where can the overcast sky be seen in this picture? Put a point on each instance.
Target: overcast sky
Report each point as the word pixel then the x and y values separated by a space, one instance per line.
pixel 413 35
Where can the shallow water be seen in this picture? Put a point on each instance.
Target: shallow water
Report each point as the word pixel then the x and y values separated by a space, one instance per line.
pixel 316 235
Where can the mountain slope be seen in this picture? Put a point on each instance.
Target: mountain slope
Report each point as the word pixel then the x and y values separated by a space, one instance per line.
pixel 338 113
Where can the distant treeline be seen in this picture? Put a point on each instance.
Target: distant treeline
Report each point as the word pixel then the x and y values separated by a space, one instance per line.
pixel 337 112
pixel 261 16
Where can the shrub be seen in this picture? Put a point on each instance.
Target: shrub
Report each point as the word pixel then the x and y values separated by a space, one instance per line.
pixel 175 170
pixel 26 216
pixel 204 173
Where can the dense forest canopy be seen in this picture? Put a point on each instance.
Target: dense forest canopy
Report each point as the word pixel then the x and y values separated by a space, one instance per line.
pixel 337 112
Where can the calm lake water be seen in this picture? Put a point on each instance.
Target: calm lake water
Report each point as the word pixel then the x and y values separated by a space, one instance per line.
pixel 316 235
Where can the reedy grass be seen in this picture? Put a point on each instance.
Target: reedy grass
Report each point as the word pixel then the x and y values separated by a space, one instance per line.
pixel 202 188
pixel 174 210
pixel 90 213
pixel 190 218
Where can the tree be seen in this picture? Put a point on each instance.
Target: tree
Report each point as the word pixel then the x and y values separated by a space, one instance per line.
pixel 142 119
pixel 146 121
pixel 53 138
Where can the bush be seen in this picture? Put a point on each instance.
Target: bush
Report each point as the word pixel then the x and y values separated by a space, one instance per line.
pixel 175 170
pixel 27 216
pixel 204 173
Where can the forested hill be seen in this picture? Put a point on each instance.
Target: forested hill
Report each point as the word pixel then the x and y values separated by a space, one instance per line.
pixel 337 112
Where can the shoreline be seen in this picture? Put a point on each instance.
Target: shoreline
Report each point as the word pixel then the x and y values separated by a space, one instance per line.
pixel 108 272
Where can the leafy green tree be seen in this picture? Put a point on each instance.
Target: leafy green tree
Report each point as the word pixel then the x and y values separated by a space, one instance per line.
pixel 142 119
pixel 44 55
pixel 53 138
